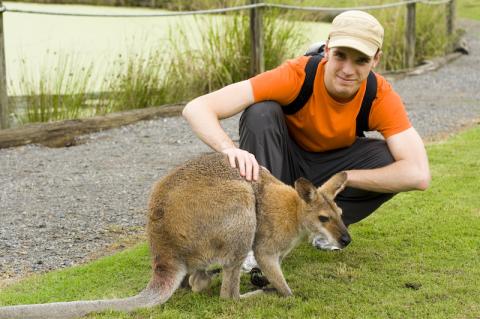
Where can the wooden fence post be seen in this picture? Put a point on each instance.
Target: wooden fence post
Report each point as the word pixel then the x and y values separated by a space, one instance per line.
pixel 257 64
pixel 410 37
pixel 450 16
pixel 451 12
pixel 3 77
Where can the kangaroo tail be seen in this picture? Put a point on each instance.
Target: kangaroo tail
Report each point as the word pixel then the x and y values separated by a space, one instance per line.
pixel 158 291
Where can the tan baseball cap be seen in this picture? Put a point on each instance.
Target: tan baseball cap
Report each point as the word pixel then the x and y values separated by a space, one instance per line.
pixel 357 30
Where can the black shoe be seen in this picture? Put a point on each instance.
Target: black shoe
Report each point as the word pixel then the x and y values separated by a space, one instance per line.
pixel 257 278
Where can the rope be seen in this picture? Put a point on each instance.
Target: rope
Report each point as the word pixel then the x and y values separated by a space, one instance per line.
pixel 331 9
pixel 148 15
pixel 229 9
pixel 432 3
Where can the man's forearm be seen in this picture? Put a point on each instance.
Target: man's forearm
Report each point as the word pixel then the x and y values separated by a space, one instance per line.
pixel 205 123
pixel 207 127
pixel 203 113
pixel 397 177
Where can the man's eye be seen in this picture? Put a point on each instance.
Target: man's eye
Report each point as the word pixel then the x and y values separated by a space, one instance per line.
pixel 323 219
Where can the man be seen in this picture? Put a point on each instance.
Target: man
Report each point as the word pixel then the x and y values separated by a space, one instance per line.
pixel 320 139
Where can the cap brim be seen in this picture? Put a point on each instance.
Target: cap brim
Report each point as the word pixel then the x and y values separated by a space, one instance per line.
pixel 353 43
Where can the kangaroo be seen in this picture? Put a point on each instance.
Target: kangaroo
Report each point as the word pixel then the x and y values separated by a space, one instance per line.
pixel 204 213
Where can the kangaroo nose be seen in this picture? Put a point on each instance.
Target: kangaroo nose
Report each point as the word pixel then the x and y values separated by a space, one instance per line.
pixel 345 240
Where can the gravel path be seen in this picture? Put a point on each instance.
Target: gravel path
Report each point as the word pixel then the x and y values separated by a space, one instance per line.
pixel 60 207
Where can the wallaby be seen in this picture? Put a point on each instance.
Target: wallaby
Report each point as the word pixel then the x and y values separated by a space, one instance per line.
pixel 205 213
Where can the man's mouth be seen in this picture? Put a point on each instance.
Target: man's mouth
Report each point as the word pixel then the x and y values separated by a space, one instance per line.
pixel 345 80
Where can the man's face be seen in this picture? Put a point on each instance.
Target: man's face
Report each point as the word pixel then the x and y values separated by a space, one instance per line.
pixel 345 70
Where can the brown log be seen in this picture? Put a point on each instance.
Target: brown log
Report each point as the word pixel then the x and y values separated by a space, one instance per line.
pixel 65 133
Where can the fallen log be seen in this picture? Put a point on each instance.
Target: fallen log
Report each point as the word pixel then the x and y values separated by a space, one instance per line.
pixel 65 133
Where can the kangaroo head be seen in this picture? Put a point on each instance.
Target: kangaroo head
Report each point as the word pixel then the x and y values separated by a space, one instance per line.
pixel 321 216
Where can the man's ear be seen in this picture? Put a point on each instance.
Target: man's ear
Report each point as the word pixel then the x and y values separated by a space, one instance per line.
pixel 376 58
pixel 326 51
pixel 305 189
pixel 334 185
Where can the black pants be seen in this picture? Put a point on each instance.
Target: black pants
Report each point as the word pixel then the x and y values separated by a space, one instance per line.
pixel 264 133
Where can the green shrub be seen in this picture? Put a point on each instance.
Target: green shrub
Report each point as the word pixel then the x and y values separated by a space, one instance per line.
pixel 431 37
pixel 432 40
pixel 222 55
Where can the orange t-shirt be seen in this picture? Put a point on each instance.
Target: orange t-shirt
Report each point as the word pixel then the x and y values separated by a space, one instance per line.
pixel 324 124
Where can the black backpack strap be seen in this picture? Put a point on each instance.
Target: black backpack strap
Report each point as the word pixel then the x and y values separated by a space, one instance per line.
pixel 307 90
pixel 370 95
pixel 307 86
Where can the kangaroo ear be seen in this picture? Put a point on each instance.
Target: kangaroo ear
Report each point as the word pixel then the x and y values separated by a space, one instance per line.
pixel 334 185
pixel 305 189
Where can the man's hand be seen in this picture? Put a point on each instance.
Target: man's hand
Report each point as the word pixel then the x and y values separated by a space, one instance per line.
pixel 244 161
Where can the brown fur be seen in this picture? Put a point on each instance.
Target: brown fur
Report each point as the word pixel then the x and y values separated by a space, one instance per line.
pixel 204 212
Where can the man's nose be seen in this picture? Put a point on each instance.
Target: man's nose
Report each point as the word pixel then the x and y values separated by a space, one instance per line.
pixel 348 67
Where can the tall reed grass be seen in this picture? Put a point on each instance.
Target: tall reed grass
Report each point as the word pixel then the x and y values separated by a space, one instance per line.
pixel 58 97
pixel 134 80
pixel 171 73
pixel 184 68
pixel 223 54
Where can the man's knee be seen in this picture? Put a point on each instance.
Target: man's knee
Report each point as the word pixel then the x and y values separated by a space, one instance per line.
pixel 385 157
pixel 358 204
pixel 262 114
pixel 375 153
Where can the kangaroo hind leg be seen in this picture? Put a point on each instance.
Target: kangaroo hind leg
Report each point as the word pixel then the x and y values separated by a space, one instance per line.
pixel 231 281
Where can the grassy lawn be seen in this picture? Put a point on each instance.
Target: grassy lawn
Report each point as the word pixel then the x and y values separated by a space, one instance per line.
pixel 468 9
pixel 417 257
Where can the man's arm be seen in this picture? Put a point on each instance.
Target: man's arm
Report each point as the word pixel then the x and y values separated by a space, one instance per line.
pixel 203 115
pixel 410 171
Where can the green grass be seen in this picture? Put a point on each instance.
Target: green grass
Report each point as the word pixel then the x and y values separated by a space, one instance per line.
pixel 468 9
pixel 416 257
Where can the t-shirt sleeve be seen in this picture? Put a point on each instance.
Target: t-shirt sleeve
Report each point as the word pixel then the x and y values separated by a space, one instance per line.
pixel 388 115
pixel 281 84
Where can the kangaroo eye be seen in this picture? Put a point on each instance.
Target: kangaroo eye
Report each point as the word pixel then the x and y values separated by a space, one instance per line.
pixel 323 219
